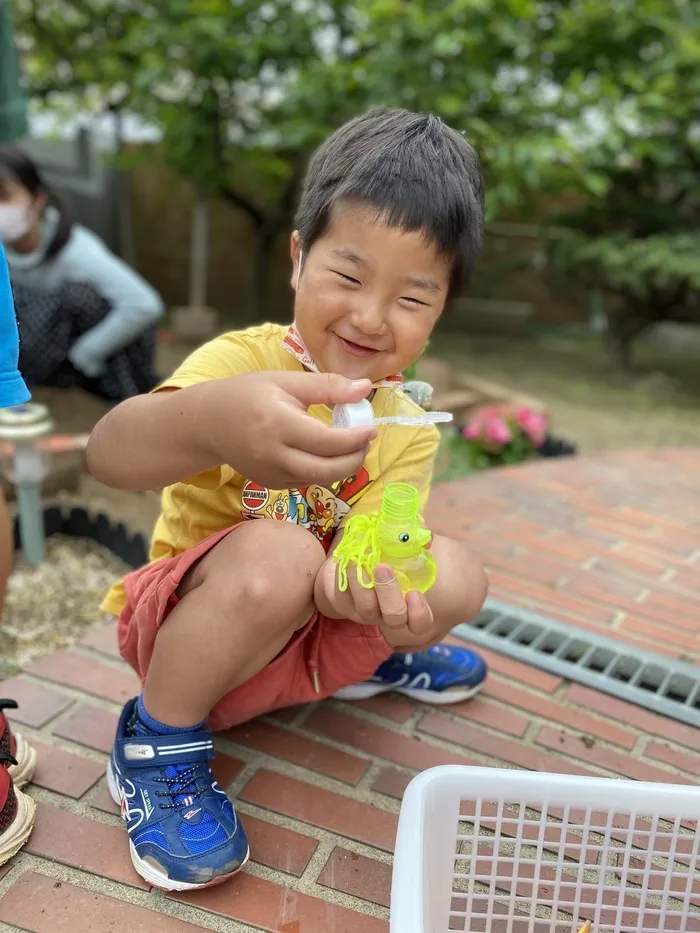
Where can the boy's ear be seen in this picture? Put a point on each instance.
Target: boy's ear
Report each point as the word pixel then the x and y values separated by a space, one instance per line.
pixel 296 254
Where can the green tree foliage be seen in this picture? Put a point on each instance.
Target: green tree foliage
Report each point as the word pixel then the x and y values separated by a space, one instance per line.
pixel 594 100
pixel 204 72
pixel 476 63
pixel 629 72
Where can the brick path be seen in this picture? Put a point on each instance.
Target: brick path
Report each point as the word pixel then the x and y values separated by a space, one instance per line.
pixel 610 544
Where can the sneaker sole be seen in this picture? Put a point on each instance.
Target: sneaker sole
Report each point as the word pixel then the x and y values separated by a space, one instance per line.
pixel 150 874
pixel 23 771
pixel 17 833
pixel 431 697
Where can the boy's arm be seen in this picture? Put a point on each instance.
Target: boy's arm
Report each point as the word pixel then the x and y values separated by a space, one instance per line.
pixel 255 423
pixel 152 441
pixel 155 440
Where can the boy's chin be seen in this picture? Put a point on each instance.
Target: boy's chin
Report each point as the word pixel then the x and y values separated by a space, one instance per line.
pixel 353 369
pixel 359 372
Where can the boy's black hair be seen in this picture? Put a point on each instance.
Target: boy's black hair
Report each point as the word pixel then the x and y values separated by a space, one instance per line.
pixel 419 174
pixel 17 166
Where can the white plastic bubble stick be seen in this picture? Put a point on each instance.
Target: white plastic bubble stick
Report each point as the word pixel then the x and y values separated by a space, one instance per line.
pixel 429 417
pixel 361 415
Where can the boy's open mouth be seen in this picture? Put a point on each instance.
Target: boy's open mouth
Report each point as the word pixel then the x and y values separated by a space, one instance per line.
pixel 356 349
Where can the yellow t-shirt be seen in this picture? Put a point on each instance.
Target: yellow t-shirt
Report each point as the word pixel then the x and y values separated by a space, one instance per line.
pixel 196 508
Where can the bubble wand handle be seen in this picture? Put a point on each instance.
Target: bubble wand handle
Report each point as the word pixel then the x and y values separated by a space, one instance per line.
pixel 361 415
pixel 428 417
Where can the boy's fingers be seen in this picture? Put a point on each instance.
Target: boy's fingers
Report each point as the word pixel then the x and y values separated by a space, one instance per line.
pixel 365 601
pixel 302 467
pixel 306 433
pixel 417 645
pixel 392 605
pixel 329 580
pixel 323 388
pixel 420 615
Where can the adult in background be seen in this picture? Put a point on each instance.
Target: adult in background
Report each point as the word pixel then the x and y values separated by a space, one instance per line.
pixel 86 318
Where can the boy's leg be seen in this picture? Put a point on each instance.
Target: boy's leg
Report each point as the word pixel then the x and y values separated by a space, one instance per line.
pixel 439 673
pixel 238 607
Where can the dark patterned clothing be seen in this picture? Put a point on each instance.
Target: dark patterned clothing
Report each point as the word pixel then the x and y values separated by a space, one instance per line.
pixel 51 322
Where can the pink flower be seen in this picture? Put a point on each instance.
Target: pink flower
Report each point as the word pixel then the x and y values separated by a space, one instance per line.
pixel 533 424
pixel 489 425
pixel 472 431
pixel 475 429
pixel 497 430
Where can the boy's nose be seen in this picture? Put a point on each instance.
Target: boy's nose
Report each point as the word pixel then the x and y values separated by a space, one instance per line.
pixel 369 318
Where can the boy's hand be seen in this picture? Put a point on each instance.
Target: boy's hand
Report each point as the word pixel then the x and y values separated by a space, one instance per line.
pixel 266 435
pixel 256 423
pixel 406 622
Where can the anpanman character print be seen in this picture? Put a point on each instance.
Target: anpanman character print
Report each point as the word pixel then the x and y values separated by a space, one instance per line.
pixel 320 509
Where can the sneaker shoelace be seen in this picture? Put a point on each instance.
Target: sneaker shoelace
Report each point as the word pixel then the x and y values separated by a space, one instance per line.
pixel 183 785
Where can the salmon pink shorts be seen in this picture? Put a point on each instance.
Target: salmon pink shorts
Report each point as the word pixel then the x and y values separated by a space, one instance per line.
pixel 318 660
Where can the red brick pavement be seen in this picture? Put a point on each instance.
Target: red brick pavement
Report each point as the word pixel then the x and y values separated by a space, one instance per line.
pixel 610 544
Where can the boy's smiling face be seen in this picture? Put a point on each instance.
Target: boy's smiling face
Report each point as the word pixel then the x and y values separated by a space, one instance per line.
pixel 367 294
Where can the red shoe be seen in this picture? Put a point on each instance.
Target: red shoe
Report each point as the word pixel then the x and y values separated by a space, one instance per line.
pixel 15 747
pixel 17 812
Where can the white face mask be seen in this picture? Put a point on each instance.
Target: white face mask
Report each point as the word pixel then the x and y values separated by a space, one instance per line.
pixel 14 222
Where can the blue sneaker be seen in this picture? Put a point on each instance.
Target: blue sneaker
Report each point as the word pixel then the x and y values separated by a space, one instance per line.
pixel 183 831
pixel 441 675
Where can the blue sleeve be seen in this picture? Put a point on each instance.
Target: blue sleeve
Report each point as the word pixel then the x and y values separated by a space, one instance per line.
pixel 13 391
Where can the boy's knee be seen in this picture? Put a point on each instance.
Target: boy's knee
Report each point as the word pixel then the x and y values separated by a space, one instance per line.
pixel 265 572
pixel 462 584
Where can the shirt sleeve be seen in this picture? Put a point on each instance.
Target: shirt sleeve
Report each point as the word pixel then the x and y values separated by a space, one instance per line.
pixel 135 305
pixel 228 355
pixel 13 390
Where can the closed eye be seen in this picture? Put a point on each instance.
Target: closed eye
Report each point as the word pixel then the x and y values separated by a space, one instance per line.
pixel 347 278
pixel 414 301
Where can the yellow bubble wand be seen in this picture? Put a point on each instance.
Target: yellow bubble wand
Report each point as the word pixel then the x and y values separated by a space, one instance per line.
pixel 395 536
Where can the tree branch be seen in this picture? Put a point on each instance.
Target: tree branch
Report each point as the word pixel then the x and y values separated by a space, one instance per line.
pixel 286 201
pixel 236 200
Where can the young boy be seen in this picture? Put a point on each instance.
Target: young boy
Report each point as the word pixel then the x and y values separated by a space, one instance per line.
pixel 17 758
pixel 236 617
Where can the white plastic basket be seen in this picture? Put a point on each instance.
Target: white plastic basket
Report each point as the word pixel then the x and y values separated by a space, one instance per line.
pixel 483 850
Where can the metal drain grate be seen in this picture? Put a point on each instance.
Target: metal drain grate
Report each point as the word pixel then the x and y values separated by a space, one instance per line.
pixel 671 688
